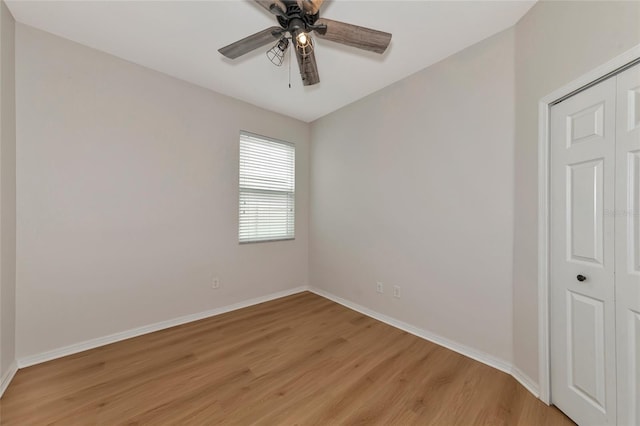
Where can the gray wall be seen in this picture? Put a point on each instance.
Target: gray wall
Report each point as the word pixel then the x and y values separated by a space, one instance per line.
pixel 413 186
pixel 556 42
pixel 7 191
pixel 128 199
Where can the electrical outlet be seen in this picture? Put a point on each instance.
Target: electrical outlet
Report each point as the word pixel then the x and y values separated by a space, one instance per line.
pixel 380 287
pixel 216 283
pixel 396 291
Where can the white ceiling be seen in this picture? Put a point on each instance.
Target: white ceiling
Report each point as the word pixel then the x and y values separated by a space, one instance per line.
pixel 181 38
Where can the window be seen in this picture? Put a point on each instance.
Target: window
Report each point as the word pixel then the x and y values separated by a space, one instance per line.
pixel 267 189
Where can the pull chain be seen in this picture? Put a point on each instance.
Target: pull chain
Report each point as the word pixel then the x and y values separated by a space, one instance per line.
pixel 290 66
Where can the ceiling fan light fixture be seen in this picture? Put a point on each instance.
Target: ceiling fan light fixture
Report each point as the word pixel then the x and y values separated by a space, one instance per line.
pixel 304 43
pixel 302 39
pixel 276 53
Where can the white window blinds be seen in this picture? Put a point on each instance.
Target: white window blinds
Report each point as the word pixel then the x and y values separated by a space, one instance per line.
pixel 267 189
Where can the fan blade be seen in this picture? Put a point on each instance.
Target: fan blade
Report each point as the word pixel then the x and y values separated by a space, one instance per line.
pixel 310 7
pixel 247 44
pixel 277 7
pixel 353 35
pixel 308 68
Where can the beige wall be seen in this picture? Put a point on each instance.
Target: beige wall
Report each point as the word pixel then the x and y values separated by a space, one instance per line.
pixel 128 199
pixel 127 189
pixel 556 42
pixel 413 186
pixel 7 191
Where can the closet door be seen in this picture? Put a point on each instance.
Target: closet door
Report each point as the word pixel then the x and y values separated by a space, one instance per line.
pixel 627 215
pixel 582 309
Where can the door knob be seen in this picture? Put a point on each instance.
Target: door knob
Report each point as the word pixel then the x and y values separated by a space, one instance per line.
pixel 581 278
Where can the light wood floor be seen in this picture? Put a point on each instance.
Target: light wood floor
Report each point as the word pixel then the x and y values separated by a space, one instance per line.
pixel 298 360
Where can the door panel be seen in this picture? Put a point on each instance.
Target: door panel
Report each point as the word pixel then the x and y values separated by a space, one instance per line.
pixel 633 192
pixel 627 214
pixel 630 406
pixel 585 348
pixel 586 124
pixel 583 383
pixel 585 211
pixel 633 105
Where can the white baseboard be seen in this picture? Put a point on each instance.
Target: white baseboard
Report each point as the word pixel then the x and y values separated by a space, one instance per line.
pixel 116 337
pixel 526 381
pixel 7 377
pixel 480 356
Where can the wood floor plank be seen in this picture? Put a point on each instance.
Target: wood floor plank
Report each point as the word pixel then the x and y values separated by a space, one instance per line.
pixel 301 360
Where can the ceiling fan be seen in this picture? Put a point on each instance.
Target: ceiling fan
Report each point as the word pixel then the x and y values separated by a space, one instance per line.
pixel 298 19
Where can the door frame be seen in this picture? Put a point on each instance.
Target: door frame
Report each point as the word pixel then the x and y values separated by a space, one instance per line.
pixel 544 203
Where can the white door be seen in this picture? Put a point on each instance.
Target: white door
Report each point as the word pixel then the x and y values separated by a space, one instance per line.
pixel 627 214
pixel 582 314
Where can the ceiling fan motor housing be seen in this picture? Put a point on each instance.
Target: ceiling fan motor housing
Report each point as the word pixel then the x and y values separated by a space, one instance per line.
pixel 295 18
